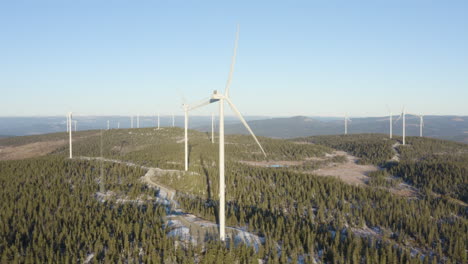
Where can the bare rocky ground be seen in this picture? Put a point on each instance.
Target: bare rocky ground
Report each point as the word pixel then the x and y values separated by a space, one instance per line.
pixel 349 171
pixel 30 150
pixel 35 149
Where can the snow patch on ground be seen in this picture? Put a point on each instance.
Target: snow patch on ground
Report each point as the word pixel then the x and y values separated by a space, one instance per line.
pixel 179 224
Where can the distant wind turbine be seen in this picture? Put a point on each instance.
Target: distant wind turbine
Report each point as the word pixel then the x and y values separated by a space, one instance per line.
pixel 158 120
pixel 173 120
pixel 186 109
pixel 346 119
pixel 108 125
pixel 138 121
pixel 70 133
pixel 421 124
pixel 391 123
pixel 131 121
pixel 403 115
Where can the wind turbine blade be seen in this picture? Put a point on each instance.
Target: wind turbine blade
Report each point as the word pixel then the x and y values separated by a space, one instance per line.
pixel 401 115
pixel 239 115
pixel 201 104
pixel 233 62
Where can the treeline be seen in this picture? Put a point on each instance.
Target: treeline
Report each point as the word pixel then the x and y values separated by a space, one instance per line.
pixel 304 215
pixel 50 214
pixel 436 165
pixel 370 148
pixel 301 216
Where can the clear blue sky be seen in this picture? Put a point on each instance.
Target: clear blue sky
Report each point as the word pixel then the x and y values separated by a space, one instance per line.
pixel 294 57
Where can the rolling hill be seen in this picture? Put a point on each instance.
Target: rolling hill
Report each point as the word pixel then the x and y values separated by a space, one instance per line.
pixel 326 199
pixel 442 127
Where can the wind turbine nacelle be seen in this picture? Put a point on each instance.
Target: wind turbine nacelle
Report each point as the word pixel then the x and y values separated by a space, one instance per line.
pixel 216 96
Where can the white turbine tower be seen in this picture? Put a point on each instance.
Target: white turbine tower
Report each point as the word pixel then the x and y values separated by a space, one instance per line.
pixel 108 125
pixel 131 121
pixel 390 122
pixel 158 120
pixel 173 120
pixel 138 121
pixel 70 133
pixel 221 98
pixel 118 124
pixel 403 115
pixel 346 119
pixel 186 109
pixel 421 124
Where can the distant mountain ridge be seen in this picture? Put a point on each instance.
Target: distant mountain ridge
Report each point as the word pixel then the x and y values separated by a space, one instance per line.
pixel 443 127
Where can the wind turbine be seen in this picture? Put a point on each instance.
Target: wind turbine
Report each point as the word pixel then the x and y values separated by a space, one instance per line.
pixel 138 121
pixel 108 126
pixel 131 121
pixel 421 124
pixel 346 119
pixel 391 123
pixel 186 109
pixel 118 124
pixel 70 133
pixel 403 115
pixel 216 96
pixel 173 120
pixel 158 120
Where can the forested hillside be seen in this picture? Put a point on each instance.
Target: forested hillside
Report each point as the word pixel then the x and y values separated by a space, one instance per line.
pixel 434 165
pixel 61 210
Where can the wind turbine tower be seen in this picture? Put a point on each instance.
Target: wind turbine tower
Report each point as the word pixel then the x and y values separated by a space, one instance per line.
pixel 421 124
pixel 108 126
pixel 346 119
pixel 404 126
pixel 158 120
pixel 138 121
pixel 186 109
pixel 173 120
pixel 391 125
pixel 131 121
pixel 70 133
